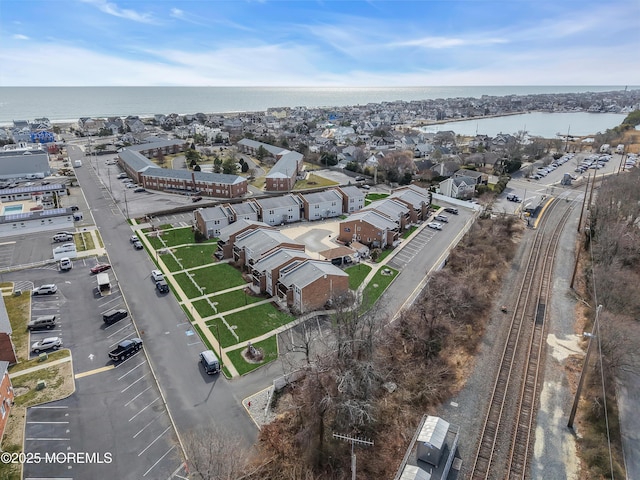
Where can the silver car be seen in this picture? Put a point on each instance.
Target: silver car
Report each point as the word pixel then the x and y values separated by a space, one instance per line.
pixel 46 344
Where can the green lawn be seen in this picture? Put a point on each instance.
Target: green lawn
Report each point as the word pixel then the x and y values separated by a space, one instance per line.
pixel 269 347
pixel 170 262
pixel 176 236
pixel 249 323
pixel 225 302
pixel 196 255
pixel 313 181
pixel 212 279
pixel 357 273
pixel 385 253
pixel 377 286
pixel 372 197
pixel 409 231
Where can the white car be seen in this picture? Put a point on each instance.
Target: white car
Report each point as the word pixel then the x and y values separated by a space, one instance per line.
pixel 157 275
pixel 134 238
pixel 48 289
pixel 435 225
pixel 46 344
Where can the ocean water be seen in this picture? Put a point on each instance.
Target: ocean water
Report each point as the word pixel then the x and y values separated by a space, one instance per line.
pixel 540 124
pixel 61 104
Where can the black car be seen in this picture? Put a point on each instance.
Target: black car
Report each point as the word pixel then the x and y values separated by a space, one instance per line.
pixel 162 286
pixel 451 210
pixel 74 208
pixel 113 316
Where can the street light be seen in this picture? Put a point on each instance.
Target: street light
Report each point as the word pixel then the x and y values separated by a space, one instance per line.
pixel 583 374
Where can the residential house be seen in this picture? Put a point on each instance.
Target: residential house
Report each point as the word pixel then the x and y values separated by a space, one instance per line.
pixel 458 187
pixel 369 228
pixel 248 210
pixel 279 210
pixel 228 235
pixel 417 199
pixel 209 221
pixel 479 177
pixel 321 205
pixel 7 349
pixel 266 271
pixel 6 396
pixel 311 285
pixel 251 246
pixel 396 211
pixel 352 198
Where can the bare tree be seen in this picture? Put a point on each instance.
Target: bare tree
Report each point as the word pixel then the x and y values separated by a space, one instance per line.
pixel 214 454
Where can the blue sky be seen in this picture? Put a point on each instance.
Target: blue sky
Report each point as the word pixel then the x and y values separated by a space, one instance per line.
pixel 319 43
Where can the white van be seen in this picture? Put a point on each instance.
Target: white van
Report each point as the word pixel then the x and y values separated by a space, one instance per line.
pixel 65 264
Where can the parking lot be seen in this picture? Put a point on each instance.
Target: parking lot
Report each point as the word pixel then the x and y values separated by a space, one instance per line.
pixel 117 412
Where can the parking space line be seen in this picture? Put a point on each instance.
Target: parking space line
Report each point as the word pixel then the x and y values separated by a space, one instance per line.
pixel 157 398
pixel 54 406
pixel 38 439
pixel 44 423
pixel 132 384
pixel 114 344
pixel 156 439
pixel 118 331
pixel 94 371
pixel 134 398
pixel 124 375
pixel 145 427
pixel 159 460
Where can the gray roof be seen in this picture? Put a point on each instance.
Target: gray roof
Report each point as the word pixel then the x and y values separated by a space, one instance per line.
pixel 277 258
pixel 35 188
pixel 5 324
pixel 244 208
pixel 411 472
pixel 434 431
pixel 18 217
pixel 135 160
pixel 272 149
pixel 214 213
pixel 287 166
pixel 279 201
pixel 235 227
pixel 352 191
pixel 308 272
pixel 374 218
pixel 35 161
pixel 156 143
pixel 389 207
pixel 321 197
pixel 412 197
pixel 200 177
pixel 261 240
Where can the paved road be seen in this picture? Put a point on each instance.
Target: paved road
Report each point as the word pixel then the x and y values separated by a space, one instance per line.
pixel 193 398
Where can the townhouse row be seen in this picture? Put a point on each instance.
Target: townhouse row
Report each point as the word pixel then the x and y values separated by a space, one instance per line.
pixel 281 210
pixel 280 267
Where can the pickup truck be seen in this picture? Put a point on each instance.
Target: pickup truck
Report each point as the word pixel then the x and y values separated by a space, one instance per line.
pixel 125 349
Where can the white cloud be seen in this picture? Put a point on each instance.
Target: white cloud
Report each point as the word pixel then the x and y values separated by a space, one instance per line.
pixel 111 8
pixel 176 12
pixel 19 36
pixel 447 42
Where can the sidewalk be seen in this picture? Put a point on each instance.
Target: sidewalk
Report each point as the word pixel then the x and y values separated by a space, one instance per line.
pixel 184 300
pixel 40 367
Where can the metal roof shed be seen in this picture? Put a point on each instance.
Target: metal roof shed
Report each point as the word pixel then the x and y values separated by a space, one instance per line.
pixel 431 440
pixel 411 472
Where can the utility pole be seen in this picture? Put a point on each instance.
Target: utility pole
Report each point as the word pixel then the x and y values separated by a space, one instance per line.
pixel 126 205
pixel 583 374
pixel 353 441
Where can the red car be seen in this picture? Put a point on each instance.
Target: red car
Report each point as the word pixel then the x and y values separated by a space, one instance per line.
pixel 101 267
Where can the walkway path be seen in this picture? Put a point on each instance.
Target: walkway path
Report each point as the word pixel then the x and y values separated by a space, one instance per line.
pixel 40 367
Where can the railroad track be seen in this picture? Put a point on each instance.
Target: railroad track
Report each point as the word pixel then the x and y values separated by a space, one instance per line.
pixel 503 450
